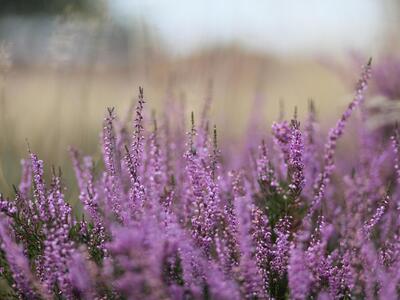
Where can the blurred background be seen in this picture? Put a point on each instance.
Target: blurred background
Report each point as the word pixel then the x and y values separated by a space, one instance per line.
pixel 62 62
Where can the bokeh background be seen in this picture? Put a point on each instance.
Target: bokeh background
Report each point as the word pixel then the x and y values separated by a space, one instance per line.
pixel 62 62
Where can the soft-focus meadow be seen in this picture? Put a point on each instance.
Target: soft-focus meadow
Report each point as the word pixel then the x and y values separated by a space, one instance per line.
pixel 54 109
pixel 237 170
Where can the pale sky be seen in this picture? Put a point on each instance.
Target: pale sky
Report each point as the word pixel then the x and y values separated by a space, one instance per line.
pixel 283 27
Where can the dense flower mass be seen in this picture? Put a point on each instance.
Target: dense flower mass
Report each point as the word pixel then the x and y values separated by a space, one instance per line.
pixel 168 216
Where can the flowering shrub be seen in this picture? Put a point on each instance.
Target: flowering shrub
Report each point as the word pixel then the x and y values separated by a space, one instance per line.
pixel 169 218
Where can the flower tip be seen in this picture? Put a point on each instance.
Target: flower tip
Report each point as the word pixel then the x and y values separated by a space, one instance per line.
pixel 28 146
pixel 192 118
pixel 110 110
pixel 126 149
pixel 15 189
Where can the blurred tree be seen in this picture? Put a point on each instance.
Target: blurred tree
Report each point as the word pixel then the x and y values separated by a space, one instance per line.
pixel 50 7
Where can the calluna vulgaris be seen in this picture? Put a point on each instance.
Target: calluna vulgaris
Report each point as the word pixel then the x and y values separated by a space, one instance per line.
pixel 170 217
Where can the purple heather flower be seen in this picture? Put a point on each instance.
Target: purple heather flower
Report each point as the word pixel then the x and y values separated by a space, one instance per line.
pixel 311 147
pixel 58 249
pixel 261 235
pixel 138 138
pixel 17 262
pixel 7 207
pixel 80 277
pixel 155 171
pixel 334 134
pixel 295 163
pixel 133 161
pixel 368 226
pixel 395 138
pixel 112 188
pixel 281 247
pixel 300 277
pixel 250 274
pixel 26 178
pixel 76 163
pixel 39 188
pixel 203 193
pixel 282 137
pixel 265 173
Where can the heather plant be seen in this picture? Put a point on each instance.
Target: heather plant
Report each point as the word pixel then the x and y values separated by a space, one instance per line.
pixel 165 215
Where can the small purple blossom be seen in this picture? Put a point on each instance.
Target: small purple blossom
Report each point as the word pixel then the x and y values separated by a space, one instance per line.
pixel 334 134
pixel 295 164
